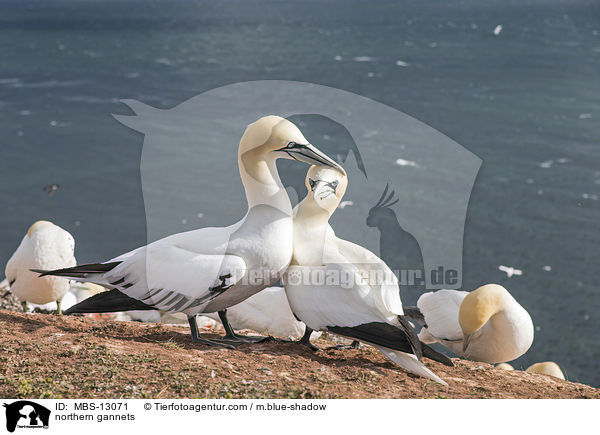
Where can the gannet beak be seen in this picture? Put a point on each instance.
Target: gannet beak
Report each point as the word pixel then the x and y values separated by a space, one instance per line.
pixel 466 340
pixel 307 153
pixel 323 189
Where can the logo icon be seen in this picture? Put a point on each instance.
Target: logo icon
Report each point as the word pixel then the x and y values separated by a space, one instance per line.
pixel 26 414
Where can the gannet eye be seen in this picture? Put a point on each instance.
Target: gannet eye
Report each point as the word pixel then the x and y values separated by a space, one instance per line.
pixel 311 183
pixel 291 144
pixel 334 184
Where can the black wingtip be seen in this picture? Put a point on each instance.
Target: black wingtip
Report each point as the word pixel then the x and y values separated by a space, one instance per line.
pixel 433 354
pixel 415 314
pixel 111 301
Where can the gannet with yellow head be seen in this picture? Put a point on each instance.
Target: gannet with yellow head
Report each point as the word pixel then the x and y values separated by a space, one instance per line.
pixel 210 269
pixel 45 246
pixel 325 286
pixel 549 368
pixel 487 324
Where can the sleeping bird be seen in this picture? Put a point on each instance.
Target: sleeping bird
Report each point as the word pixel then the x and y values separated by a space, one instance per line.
pixel 45 246
pixel 487 324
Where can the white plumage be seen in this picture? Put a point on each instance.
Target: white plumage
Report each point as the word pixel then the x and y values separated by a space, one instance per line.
pixel 489 321
pixel 329 286
pixel 267 312
pixel 45 246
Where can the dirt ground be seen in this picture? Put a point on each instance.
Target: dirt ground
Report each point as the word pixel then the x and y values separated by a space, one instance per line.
pixel 49 356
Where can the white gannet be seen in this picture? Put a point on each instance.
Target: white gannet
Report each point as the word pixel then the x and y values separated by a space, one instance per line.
pixel 549 368
pixel 505 366
pixel 267 312
pixel 329 288
pixel 45 246
pixel 487 324
pixel 212 269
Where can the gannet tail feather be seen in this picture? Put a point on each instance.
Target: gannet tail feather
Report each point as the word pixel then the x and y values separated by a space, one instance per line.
pixel 111 301
pixel 415 314
pixel 389 336
pixel 410 363
pixel 85 272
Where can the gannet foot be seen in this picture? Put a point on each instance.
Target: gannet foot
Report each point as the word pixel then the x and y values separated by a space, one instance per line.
pixel 354 345
pixel 240 339
pixel 219 343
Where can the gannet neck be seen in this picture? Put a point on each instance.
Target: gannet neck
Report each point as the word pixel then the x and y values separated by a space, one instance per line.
pixel 480 305
pixel 261 181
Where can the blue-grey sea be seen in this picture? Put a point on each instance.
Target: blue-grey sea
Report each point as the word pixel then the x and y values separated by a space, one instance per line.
pixel 527 102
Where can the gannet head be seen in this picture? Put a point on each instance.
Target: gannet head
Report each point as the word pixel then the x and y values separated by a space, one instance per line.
pixel 546 368
pixel 326 187
pixel 37 227
pixel 273 137
pixel 478 307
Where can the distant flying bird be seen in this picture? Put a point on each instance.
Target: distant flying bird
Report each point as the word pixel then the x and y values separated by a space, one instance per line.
pixel 51 188
pixel 510 271
pixel 497 30
pixel 45 246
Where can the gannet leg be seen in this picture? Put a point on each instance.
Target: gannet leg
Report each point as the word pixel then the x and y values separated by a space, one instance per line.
pixel 58 307
pixel 24 306
pixel 305 340
pixel 231 336
pixel 196 336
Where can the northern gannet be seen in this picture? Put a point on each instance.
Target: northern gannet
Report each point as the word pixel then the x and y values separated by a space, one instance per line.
pixel 486 325
pixel 211 269
pixel 505 366
pixel 45 246
pixel 549 368
pixel 267 312
pixel 329 288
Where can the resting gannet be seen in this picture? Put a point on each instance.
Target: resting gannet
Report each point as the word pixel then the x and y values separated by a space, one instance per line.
pixel 549 368
pixel 211 269
pixel 487 324
pixel 45 246
pixel 267 312
pixel 325 286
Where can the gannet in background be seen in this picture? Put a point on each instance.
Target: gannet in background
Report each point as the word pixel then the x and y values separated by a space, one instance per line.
pixel 267 312
pixel 510 271
pixel 367 311
pixel 546 368
pixel 487 324
pixel 505 366
pixel 212 269
pixel 45 246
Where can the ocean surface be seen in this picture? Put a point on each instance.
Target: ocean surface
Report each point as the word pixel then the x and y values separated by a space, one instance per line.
pixel 526 102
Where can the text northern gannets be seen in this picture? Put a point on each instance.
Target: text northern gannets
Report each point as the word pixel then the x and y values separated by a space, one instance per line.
pixel 45 246
pixel 367 311
pixel 487 324
pixel 211 269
